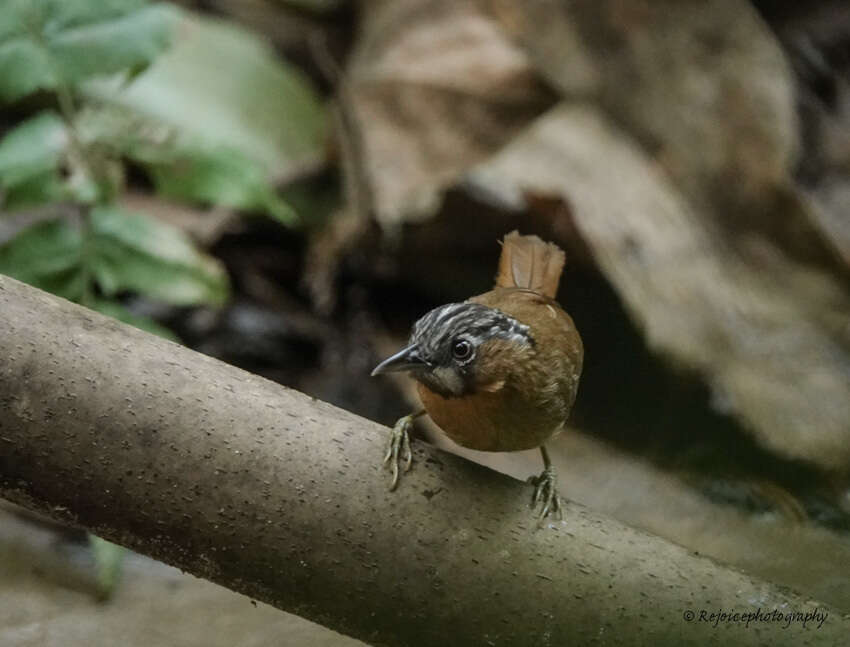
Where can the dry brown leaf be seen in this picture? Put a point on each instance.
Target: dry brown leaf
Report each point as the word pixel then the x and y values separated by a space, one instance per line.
pixel 436 87
pixel 703 84
pixel 830 210
pixel 815 38
pixel 765 332
pixel 829 188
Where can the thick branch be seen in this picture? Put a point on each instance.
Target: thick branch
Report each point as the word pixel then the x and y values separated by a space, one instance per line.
pixel 281 497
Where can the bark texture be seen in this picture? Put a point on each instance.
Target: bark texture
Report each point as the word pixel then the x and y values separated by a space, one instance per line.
pixel 279 496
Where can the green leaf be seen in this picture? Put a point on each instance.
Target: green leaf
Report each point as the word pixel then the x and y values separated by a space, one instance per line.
pixel 138 253
pixel 224 88
pixel 48 43
pixel 63 14
pixel 38 189
pixel 184 167
pixel 30 159
pixel 108 558
pixel 32 149
pixel 24 68
pixel 107 47
pixel 47 255
pixel 222 177
pixel 11 19
pixel 117 311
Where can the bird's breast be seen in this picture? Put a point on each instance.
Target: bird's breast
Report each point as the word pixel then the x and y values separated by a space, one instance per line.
pixel 497 421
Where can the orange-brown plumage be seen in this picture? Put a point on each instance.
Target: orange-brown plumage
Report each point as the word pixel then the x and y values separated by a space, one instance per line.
pixel 500 371
pixel 537 384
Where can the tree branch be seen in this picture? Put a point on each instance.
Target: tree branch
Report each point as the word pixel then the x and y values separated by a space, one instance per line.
pixel 281 497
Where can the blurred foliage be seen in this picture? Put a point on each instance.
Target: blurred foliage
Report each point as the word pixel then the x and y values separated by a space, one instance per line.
pixel 51 44
pixel 203 108
pixel 222 84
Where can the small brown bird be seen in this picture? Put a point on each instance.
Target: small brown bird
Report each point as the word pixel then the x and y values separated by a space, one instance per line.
pixel 498 372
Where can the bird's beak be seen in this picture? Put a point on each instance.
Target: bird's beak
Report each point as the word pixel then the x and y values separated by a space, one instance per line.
pixel 404 360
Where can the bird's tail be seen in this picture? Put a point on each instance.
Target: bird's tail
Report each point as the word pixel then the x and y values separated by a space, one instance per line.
pixel 528 262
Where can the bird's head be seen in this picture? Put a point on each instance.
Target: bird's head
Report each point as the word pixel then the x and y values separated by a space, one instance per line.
pixel 454 349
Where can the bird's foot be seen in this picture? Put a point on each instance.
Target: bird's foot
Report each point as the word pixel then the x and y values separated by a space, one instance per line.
pixel 546 495
pixel 398 448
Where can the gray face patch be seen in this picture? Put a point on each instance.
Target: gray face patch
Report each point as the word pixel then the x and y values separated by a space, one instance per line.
pixel 437 333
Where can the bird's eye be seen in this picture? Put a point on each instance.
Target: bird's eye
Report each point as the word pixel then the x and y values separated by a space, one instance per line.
pixel 461 349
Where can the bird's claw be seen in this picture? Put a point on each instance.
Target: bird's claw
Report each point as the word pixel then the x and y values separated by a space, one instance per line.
pixel 398 448
pixel 546 494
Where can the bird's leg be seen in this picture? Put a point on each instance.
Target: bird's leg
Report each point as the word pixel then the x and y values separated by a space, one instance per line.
pixel 398 447
pixel 545 490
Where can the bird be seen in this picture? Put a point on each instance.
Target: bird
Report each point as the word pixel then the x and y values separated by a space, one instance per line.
pixel 500 371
